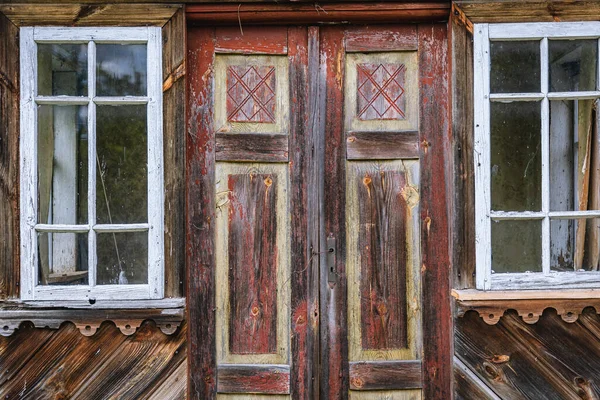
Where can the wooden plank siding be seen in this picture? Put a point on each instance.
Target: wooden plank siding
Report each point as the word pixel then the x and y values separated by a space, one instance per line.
pixel 551 359
pixel 44 363
pixel 9 160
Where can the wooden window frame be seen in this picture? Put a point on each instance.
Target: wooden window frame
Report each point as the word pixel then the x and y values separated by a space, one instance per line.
pixel 152 36
pixel 482 35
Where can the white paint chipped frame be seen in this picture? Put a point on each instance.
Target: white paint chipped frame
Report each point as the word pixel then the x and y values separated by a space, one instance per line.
pixel 483 34
pixel 29 37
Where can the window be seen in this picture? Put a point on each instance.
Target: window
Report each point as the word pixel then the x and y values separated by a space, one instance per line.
pixel 91 164
pixel 537 155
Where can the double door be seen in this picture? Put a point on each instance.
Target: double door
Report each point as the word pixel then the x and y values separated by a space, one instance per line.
pixel 305 210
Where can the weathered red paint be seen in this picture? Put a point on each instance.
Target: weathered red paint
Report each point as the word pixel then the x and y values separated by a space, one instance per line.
pixel 252 40
pixel 200 244
pixel 252 248
pixel 434 210
pixel 382 244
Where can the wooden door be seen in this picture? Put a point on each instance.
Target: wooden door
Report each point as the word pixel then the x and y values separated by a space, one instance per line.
pixel 313 158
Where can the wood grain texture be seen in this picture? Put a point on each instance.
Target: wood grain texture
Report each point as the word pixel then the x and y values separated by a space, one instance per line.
pixel 382 145
pixel 383 255
pixel 252 147
pixel 174 156
pixel 252 40
pixel 304 206
pixel 551 359
pixel 392 12
pixel 40 363
pixel 436 267
pixel 385 375
pixel 90 15
pixel 268 379
pixel 463 188
pixel 334 338
pixel 200 215
pixel 531 11
pixel 9 159
pixel 381 38
pixel 467 384
pixel 252 263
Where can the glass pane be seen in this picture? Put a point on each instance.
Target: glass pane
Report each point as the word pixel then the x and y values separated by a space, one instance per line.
pixel 63 258
pixel 572 65
pixel 574 244
pixel 62 164
pixel 121 69
pixel 515 67
pixel 122 173
pixel 574 156
pixel 62 69
pixel 516 162
pixel 122 258
pixel 516 246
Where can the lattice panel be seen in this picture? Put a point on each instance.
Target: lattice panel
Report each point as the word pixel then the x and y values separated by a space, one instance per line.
pixel 251 93
pixel 381 92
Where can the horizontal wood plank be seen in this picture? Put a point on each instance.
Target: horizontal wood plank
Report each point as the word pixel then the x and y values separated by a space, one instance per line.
pixel 382 145
pixel 388 375
pixel 252 147
pixel 274 13
pixel 264 379
pixel 381 38
pixel 251 40
pixel 89 15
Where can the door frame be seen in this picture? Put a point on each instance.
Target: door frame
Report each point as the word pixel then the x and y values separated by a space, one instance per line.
pixel 435 190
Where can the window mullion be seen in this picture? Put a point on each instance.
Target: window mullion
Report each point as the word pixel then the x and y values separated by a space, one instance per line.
pixel 545 157
pixel 92 257
pixel 481 157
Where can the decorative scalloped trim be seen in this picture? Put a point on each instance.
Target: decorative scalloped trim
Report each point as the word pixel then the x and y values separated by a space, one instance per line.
pixel 529 310
pixel 88 328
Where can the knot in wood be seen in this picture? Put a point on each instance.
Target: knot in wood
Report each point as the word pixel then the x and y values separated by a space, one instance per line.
pixel 382 309
pixel 255 310
pixel 357 382
pixel 367 180
pixel 351 139
pixel 268 181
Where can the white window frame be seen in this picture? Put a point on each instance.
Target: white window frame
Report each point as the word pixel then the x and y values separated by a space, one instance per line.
pixel 482 35
pixel 29 37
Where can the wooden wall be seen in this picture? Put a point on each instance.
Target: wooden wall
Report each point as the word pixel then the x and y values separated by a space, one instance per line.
pixel 63 364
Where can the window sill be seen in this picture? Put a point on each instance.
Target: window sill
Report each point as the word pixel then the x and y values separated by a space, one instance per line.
pixel 529 304
pixel 127 315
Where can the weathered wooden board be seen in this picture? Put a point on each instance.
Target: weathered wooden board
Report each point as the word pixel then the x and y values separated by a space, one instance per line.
pixel 468 386
pixel 89 15
pixel 269 379
pixel 174 153
pixel 385 375
pixel 381 38
pixel 41 363
pixel 253 264
pixel 530 11
pixel 304 208
pixel 333 307
pixel 9 159
pixel 251 147
pixel 463 188
pixel 383 248
pixel 278 13
pixel 252 251
pixel 252 40
pixel 413 394
pixel 435 178
pixel 382 145
pixel 200 215
pixel 551 359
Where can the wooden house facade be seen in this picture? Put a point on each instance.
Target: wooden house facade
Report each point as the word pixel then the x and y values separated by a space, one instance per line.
pixel 272 200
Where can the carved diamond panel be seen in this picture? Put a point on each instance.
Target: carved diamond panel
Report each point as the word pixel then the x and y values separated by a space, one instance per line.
pixel 251 93
pixel 381 92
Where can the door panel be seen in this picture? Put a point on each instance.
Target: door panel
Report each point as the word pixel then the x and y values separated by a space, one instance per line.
pixel 305 188
pixel 378 289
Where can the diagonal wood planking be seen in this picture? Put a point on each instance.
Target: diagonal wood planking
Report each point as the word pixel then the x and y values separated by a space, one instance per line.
pixel 60 364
